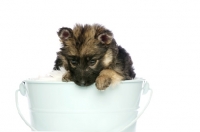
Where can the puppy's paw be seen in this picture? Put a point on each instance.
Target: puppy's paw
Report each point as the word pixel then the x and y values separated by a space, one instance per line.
pixel 66 77
pixel 102 82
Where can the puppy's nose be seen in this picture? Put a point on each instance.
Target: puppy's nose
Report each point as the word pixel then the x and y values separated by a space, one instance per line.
pixel 82 82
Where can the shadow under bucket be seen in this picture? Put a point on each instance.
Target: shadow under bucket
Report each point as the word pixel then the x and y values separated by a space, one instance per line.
pixel 61 106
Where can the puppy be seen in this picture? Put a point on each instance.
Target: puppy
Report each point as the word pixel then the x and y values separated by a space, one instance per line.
pixel 90 54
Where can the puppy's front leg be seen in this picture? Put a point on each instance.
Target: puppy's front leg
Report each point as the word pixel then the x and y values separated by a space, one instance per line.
pixel 106 78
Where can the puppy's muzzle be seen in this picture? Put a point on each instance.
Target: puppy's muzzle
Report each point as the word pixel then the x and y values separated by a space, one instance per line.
pixel 81 82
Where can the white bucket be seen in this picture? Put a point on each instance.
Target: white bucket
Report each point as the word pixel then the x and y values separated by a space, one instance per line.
pixel 61 106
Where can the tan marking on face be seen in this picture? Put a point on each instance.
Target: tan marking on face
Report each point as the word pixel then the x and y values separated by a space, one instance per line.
pixel 89 47
pixel 108 57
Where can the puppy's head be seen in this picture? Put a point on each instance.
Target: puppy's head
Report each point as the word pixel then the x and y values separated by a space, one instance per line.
pixel 86 51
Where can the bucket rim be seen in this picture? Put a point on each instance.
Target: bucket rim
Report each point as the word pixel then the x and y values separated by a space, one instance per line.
pixel 135 80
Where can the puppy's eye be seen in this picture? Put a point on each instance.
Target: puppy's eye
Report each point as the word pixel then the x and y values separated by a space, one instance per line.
pixel 92 62
pixel 74 62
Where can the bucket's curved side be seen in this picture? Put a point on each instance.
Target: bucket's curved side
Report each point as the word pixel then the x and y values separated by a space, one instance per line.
pixel 110 108
pixel 40 114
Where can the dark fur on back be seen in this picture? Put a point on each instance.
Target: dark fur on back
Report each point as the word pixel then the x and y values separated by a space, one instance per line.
pixel 89 53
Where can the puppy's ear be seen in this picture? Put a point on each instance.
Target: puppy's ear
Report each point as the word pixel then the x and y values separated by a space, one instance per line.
pixel 65 33
pixel 106 38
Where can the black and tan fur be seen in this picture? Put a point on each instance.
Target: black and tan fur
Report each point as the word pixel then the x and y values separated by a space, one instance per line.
pixel 90 55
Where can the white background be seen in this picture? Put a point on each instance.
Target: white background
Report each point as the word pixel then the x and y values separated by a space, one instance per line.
pixel 162 36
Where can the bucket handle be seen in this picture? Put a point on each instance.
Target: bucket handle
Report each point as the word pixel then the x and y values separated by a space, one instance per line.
pixel 22 90
pixel 145 90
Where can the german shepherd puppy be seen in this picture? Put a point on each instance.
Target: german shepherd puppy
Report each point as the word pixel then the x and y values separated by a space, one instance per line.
pixel 90 54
